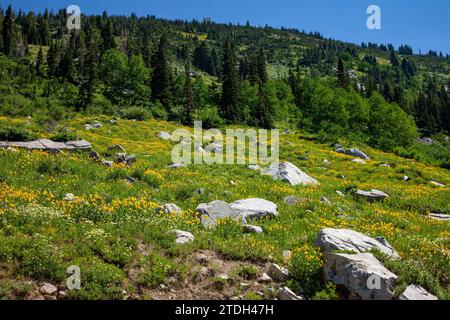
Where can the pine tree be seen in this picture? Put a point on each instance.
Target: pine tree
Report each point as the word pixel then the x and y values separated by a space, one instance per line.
pixel 262 67
pixel 160 83
pixel 53 58
pixel 30 29
pixel 9 33
pixel 89 71
pixel 231 102
pixel 107 34
pixel 44 29
pixel 394 59
pixel 342 75
pixel 189 104
pixel 39 61
pixel 2 16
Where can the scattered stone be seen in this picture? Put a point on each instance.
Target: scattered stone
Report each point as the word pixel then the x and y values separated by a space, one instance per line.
pixel 94 155
pixel 78 145
pixel 286 171
pixel 326 162
pixel 278 273
pixel 265 278
pixel 107 163
pixel 254 167
pixel 437 184
pixel 341 176
pixel 362 274
pixel 292 200
pixel 210 212
pixel 232 183
pixel 223 277
pixel 48 289
pixel 288 295
pixel 425 140
pixel 360 161
pixel 169 208
pixel 372 195
pixel 330 240
pixel 406 178
pixel 130 160
pixel 415 292
pixel 325 200
pixel 177 166
pixel 340 193
pixel 387 165
pixel 131 179
pixel 164 135
pixel 252 229
pixel 182 237
pixel 69 197
pixel 11 149
pixel 287 254
pixel 117 147
pixel 352 152
pixel 287 131
pixel 47 145
pixel 199 191
pixel 96 125
pixel 255 208
pixel 439 216
pixel 202 258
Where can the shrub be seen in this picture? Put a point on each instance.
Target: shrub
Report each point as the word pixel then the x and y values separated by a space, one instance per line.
pixel 306 268
pixel 248 272
pixel 16 134
pixel 136 113
pixel 64 135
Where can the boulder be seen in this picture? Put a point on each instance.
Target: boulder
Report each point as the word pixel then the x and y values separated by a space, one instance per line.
pixel 94 155
pixel 326 162
pixel 78 145
pixel 415 292
pixel 360 161
pixel 278 273
pixel 288 172
pixel 210 212
pixel 362 274
pixel 439 216
pixel 164 135
pixel 48 289
pixel 340 193
pixel 265 278
pixel 182 237
pixel 69 197
pixel 177 166
pixel 248 228
pixel 325 200
pixel 372 195
pixel 288 295
pixel 107 163
pixel 353 152
pixel 437 184
pixel 130 160
pixel 252 209
pixel 330 240
pixel 169 208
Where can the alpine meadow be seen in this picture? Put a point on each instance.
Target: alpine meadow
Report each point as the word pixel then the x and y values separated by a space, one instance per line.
pixel 93 205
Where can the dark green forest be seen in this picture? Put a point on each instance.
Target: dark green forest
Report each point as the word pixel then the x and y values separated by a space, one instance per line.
pixel 141 67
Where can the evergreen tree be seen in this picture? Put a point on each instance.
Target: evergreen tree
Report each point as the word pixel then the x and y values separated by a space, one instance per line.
pixel 202 58
pixel 262 67
pixel 107 34
pixel 53 58
pixel 2 16
pixel 189 104
pixel 89 71
pixel 230 103
pixel 161 74
pixel 395 62
pixel 39 61
pixel 44 29
pixel 31 29
pixel 9 33
pixel 342 75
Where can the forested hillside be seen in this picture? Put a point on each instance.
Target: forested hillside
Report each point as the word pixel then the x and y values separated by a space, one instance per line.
pixel 140 67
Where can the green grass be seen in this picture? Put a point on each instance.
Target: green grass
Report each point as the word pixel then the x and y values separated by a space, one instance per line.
pixel 105 229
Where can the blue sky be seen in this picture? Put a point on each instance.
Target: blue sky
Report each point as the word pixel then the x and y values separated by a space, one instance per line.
pixel 424 24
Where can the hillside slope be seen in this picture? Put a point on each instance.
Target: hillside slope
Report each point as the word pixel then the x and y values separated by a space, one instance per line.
pixel 113 231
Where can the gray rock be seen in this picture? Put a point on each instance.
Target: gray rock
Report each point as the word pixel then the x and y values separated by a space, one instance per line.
pixel 251 209
pixel 415 292
pixel 117 147
pixel 325 200
pixel 425 140
pixel 182 237
pixel 372 195
pixel 210 212
pixel 252 229
pixel 94 155
pixel 69 197
pixel 169 208
pixel 164 135
pixel 353 152
pixel 360 161
pixel 78 145
pixel 107 163
pixel 288 295
pixel 278 273
pixel 177 166
pixel 326 162
pixel 362 274
pixel 130 160
pixel 330 240
pixel 265 278
pixel 199 191
pixel 292 200
pixel 406 178
pixel 254 167
pixel 288 172
pixel 340 193
pixel 437 184
pixel 48 289
pixel 439 216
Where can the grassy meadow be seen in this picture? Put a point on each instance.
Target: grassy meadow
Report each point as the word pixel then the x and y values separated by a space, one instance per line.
pixel 115 234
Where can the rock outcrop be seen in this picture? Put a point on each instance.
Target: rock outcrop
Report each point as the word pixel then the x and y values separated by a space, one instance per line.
pixel 288 172
pixel 415 292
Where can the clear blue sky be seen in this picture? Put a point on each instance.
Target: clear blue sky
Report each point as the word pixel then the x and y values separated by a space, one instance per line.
pixel 424 24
